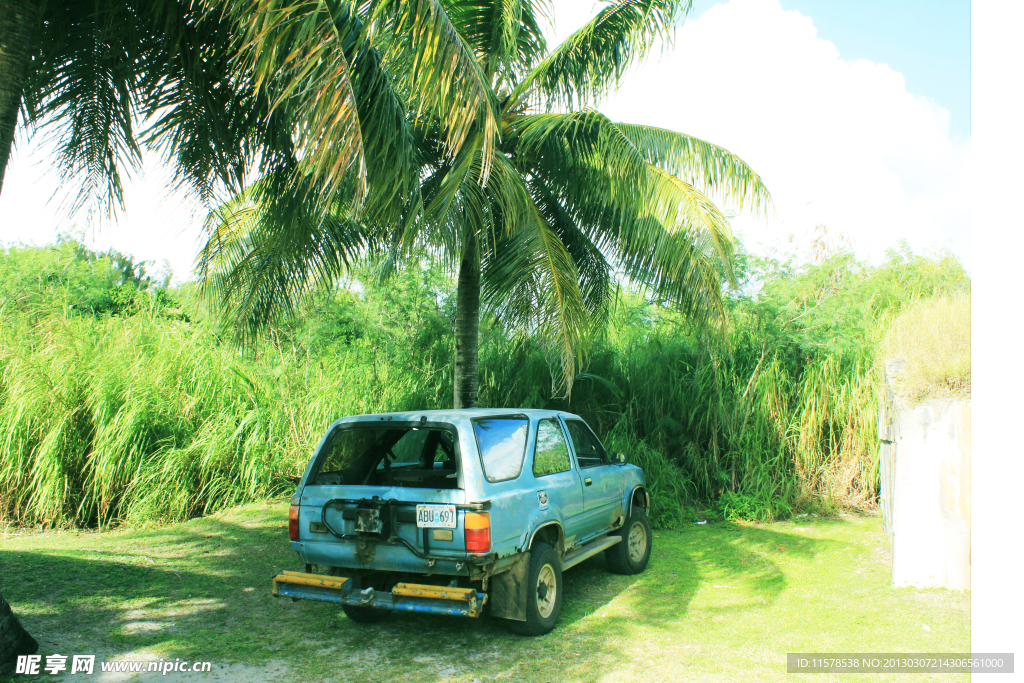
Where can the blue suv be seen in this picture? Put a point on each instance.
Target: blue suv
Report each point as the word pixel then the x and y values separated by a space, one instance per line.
pixel 449 511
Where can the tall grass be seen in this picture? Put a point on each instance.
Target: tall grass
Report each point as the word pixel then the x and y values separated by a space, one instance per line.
pixel 145 420
pixel 934 338
pixel 135 410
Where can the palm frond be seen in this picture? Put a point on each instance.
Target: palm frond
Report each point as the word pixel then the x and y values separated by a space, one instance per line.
pixel 592 61
pixel 661 230
pixel 295 53
pixel 529 278
pixel 716 170
pixel 505 35
pixel 592 267
pixel 84 91
pixel 264 252
pixel 439 72
pixel 208 124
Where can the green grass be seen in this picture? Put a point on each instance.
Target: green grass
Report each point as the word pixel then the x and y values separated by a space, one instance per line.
pixel 720 601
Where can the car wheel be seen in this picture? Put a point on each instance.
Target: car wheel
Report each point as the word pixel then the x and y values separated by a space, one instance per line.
pixel 365 615
pixel 543 592
pixel 631 554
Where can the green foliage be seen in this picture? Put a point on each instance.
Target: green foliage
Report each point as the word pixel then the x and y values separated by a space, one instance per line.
pixel 148 414
pixel 834 304
pixel 555 201
pixel 759 507
pixel 67 275
pixel 141 417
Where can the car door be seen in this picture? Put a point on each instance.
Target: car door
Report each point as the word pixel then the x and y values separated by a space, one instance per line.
pixel 558 484
pixel 602 483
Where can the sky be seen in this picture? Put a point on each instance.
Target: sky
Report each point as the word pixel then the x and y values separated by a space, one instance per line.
pixel 856 116
pixel 840 141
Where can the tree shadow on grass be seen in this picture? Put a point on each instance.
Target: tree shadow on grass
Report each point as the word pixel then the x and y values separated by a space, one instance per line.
pixel 202 591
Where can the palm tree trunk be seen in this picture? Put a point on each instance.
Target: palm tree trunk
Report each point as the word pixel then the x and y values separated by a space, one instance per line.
pixel 18 19
pixel 14 640
pixel 467 326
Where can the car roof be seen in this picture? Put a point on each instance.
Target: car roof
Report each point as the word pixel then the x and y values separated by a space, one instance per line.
pixel 460 414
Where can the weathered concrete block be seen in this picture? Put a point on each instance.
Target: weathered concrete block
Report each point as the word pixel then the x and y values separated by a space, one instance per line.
pixel 925 458
pixel 931 495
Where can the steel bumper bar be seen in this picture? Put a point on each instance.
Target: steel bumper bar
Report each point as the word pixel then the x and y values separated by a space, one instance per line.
pixel 410 597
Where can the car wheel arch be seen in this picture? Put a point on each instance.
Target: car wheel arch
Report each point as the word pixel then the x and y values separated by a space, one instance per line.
pixel 639 497
pixel 550 533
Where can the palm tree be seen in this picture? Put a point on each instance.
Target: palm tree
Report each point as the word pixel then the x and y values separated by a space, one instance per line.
pixel 534 214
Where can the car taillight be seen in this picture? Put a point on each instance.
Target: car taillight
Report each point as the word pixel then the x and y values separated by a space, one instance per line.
pixel 478 532
pixel 293 522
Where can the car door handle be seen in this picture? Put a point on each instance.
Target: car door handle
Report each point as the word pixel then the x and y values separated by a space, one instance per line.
pixel 588 481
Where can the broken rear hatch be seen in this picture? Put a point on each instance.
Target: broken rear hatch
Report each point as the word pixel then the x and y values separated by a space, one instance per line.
pixel 388 495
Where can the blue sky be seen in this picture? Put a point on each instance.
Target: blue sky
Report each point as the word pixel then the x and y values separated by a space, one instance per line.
pixel 928 42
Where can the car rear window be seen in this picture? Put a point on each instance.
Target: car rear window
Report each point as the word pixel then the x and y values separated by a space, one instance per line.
pixel 392 455
pixel 502 443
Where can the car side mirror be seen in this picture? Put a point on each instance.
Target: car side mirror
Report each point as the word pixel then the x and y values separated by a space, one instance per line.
pixel 620 459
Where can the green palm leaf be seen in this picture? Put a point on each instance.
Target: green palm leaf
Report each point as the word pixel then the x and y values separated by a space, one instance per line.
pixel 639 213
pixel 86 87
pixel 529 278
pixel 264 252
pixel 438 70
pixel 593 60
pixel 700 163
pixel 504 34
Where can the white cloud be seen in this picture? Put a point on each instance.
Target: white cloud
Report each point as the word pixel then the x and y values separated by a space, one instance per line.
pixel 836 142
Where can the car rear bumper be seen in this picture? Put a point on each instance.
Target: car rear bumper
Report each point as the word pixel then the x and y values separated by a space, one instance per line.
pixel 465 602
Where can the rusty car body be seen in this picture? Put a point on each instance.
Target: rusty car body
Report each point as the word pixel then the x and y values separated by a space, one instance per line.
pixel 461 512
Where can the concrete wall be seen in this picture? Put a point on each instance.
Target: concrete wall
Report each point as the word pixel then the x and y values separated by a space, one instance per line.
pixel 926 490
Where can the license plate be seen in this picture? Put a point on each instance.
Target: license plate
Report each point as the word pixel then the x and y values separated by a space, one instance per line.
pixel 434 516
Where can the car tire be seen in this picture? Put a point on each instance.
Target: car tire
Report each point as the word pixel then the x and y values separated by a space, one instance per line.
pixel 631 554
pixel 545 574
pixel 365 615
pixel 362 615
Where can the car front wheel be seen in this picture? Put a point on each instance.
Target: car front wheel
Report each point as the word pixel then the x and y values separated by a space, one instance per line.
pixel 631 554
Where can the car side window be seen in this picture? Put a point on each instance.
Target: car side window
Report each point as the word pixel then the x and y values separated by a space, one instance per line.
pixel 502 443
pixel 589 451
pixel 551 454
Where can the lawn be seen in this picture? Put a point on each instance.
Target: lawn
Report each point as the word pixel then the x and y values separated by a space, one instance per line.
pixel 719 601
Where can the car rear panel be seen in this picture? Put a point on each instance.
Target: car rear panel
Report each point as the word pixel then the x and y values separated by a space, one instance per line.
pixel 328 512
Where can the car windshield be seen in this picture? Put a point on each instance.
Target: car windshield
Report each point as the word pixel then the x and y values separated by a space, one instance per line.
pixel 418 457
pixel 502 443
